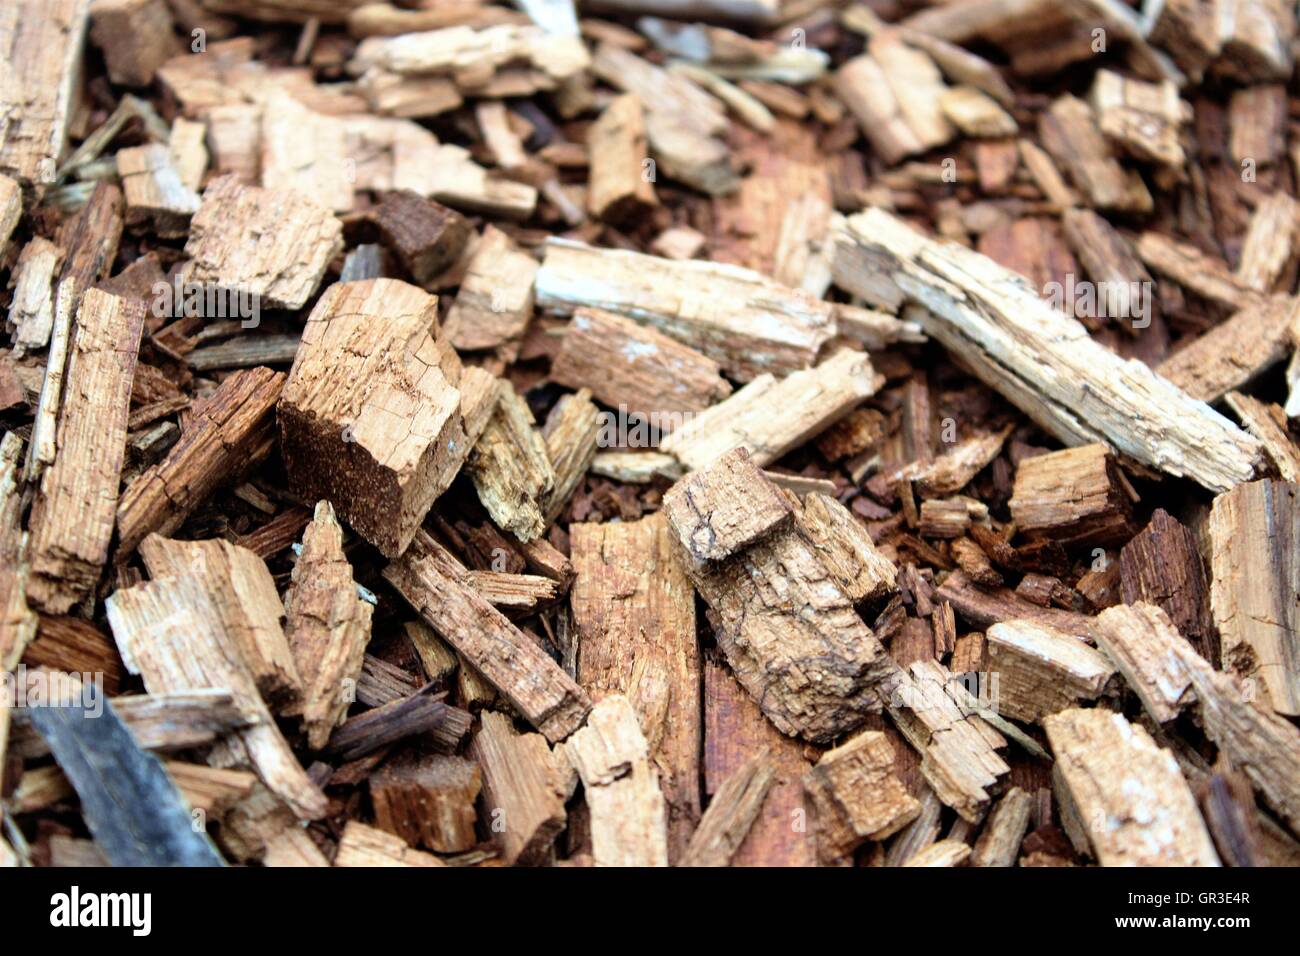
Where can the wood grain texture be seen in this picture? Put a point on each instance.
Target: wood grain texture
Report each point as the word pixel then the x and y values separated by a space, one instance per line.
pixel 169 632
pixel 636 368
pixel 1040 360
pixel 273 245
pixel 225 434
pixel 770 417
pixel 735 731
pixel 437 587
pixel 635 613
pixel 327 626
pixel 1254 529
pixel 74 512
pixel 790 632
pixel 41 41
pixel 742 320
pixel 240 585
pixel 1127 793
pixel 370 417
pixel 629 819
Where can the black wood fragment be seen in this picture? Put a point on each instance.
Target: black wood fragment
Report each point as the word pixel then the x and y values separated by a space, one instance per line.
pixel 131 806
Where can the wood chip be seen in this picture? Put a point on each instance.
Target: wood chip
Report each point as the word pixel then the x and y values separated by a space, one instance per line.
pixel 628 814
pixel 388 415
pixel 73 514
pixel 436 586
pixel 635 613
pixel 742 320
pixel 1253 580
pixel 1126 793
pixel 1042 361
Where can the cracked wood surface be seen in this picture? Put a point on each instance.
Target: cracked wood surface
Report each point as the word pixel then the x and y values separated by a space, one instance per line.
pixel 1042 361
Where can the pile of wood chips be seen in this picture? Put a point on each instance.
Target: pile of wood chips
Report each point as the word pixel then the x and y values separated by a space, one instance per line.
pixel 797 432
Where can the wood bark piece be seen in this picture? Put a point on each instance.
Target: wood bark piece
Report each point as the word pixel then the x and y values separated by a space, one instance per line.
pixel 271 244
pixel 958 747
pixel 1264 746
pixel 91 239
pixel 511 469
pixel 31 311
pixel 11 210
pixel 1075 497
pixel 635 613
pixel 858 796
pixel 863 85
pixel 1143 643
pixel 304 152
pixel 945 853
pixel 443 727
pixel 731 813
pixel 17 621
pixel 1187 31
pixel 629 819
pixel 1193 269
pixel 495 301
pixel 1110 261
pixel 1256 125
pixel 475 59
pixel 428 801
pixel 1270 243
pixel 789 631
pixel 685 125
pixel 1233 352
pixel 42 43
pixel 42 445
pixel 249 610
pixel 636 368
pixel 1069 131
pixel 846 550
pixel 1042 671
pixel 735 731
pixel 713 521
pixel 742 320
pixel 136 37
pixel 986 606
pixel 1254 577
pixel 327 626
pixel 514 592
pixel 1255 41
pixel 426 236
pixel 519 790
pixel 370 418
pixel 571 434
pixel 71 644
pixel 1161 565
pixel 169 632
pixel 999 843
pixel 127 800
pixel 73 514
pixel 769 418
pixel 153 189
pixel 619 187
pixel 226 433
pixel 1042 361
pixel 1268 423
pixel 1141 118
pixel 437 587
pixel 367 846
pixel 1127 793
pixel 950 472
